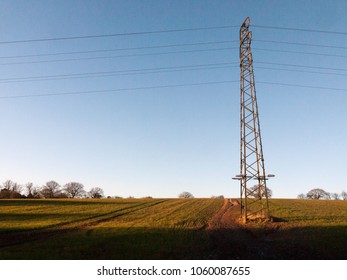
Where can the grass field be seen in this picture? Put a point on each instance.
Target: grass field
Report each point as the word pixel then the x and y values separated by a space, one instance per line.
pixel 168 229
pixel 315 228
pixel 105 229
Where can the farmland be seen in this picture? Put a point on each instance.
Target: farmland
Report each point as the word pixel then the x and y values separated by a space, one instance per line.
pixel 302 229
pixel 169 229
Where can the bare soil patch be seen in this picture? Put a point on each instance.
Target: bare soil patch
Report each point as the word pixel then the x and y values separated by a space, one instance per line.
pixel 270 239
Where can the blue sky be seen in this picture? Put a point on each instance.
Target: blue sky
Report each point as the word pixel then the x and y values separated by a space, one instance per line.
pixel 170 138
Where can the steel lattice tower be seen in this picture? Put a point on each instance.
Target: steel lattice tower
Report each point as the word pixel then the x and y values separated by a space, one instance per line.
pixel 254 196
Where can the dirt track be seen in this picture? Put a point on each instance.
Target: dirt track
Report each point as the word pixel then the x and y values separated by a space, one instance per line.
pixel 227 216
pixel 227 234
pixel 234 240
pixel 268 240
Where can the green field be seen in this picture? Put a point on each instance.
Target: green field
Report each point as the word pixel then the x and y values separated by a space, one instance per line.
pixel 106 229
pixel 310 228
pixel 168 229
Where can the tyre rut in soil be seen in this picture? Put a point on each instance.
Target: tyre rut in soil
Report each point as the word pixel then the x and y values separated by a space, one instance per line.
pixel 11 239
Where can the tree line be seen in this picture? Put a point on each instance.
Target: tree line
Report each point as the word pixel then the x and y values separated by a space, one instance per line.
pixel 318 193
pixel 51 189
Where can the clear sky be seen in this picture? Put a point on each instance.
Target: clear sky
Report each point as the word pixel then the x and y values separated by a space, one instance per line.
pixel 158 113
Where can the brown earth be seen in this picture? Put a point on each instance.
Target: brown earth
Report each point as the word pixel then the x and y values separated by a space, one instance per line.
pixel 271 239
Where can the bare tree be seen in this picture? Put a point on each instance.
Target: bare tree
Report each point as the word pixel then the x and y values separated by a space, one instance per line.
pixel 32 191
pixel 7 185
pixel 17 188
pixel 335 196
pixel 51 189
pixel 96 193
pixel 74 189
pixel 318 194
pixel 301 196
pixel 11 189
pixel 218 196
pixel 30 188
pixel 258 191
pixel 185 195
pixel 344 195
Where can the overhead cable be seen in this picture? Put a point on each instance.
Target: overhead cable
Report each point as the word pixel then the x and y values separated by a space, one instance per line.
pixel 116 56
pixel 299 52
pixel 118 49
pixel 117 34
pixel 299 29
pixel 120 72
pixel 113 91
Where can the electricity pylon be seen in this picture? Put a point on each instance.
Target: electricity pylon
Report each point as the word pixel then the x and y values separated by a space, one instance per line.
pixel 254 196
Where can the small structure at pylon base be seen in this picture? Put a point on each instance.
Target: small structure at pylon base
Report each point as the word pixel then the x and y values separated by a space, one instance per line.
pixel 253 201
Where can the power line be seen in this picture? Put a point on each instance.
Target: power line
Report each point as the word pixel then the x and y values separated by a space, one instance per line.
pixel 112 91
pixel 163 53
pixel 302 86
pixel 299 52
pixel 166 46
pixel 116 56
pixel 302 66
pixel 302 71
pixel 299 29
pixel 118 34
pixel 118 49
pixel 121 72
pixel 301 44
pixel 155 70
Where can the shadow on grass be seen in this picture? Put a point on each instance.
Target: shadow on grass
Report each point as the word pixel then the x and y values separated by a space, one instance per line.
pixel 277 220
pixel 297 243
pixel 119 243
pixel 177 243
